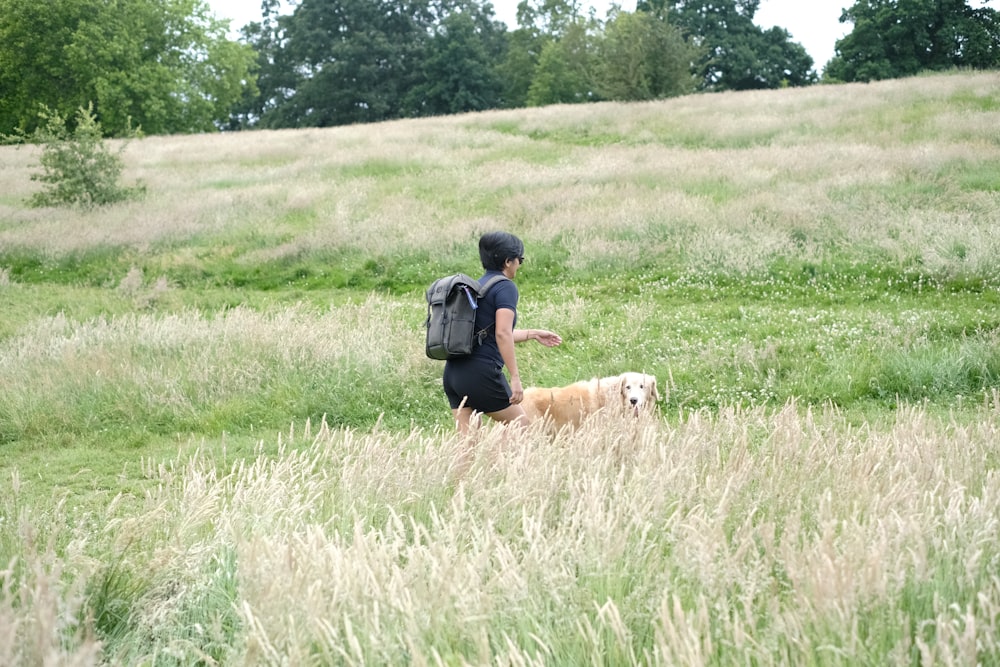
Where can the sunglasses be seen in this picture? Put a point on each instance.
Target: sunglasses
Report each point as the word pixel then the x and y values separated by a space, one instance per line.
pixel 520 261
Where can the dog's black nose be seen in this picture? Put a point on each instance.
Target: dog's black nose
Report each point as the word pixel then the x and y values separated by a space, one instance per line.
pixel 633 401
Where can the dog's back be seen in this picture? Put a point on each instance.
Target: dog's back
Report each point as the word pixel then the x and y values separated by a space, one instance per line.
pixel 571 404
pixel 562 405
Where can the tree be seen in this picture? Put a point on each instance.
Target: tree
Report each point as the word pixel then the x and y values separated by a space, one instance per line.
pixel 78 169
pixel 459 73
pixel 642 57
pixel 334 62
pixel 550 17
pixel 164 65
pixel 276 75
pixel 738 55
pixel 349 61
pixel 896 38
pixel 780 62
pixel 524 48
pixel 565 70
pixel 34 71
pixel 540 23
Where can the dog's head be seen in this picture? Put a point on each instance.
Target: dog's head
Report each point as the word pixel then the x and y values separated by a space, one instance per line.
pixel 638 392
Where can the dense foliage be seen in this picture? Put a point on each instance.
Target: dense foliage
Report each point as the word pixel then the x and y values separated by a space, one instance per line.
pixel 163 65
pixel 897 38
pixel 331 63
pixel 739 55
pixel 168 66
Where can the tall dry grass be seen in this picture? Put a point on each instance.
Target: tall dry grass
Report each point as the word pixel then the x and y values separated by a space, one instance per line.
pixel 147 374
pixel 721 183
pixel 176 373
pixel 783 537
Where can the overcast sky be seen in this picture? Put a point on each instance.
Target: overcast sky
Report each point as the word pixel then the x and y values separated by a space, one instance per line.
pixel 814 24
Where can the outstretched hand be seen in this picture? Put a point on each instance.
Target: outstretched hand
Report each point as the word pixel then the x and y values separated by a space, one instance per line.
pixel 548 338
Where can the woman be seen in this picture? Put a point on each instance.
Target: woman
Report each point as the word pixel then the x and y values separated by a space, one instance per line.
pixel 476 384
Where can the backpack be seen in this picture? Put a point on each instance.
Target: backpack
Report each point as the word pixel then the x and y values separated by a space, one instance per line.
pixel 451 315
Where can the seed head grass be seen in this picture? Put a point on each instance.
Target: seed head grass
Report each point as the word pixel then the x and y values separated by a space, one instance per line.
pixel 221 441
pixel 784 536
pixel 827 176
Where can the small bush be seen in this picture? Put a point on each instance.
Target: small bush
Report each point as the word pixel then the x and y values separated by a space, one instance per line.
pixel 77 167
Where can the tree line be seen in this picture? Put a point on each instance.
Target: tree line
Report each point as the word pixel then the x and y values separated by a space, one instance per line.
pixel 168 66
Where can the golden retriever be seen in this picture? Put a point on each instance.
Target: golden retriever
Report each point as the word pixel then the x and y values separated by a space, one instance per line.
pixel 570 405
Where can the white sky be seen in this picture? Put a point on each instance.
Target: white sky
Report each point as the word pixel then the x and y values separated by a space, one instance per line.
pixel 814 23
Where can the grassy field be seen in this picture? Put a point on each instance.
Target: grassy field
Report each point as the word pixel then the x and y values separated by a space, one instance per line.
pixel 221 443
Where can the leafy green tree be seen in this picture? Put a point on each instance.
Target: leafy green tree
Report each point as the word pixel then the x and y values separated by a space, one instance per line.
pixel 34 70
pixel 164 65
pixel 540 23
pixel 276 74
pixel 349 61
pixel 565 70
pixel 334 62
pixel 896 38
pixel 780 62
pixel 642 57
pixel 459 71
pixel 524 47
pixel 554 18
pixel 737 54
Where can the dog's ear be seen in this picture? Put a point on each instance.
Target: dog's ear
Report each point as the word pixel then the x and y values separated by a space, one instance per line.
pixel 653 392
pixel 619 388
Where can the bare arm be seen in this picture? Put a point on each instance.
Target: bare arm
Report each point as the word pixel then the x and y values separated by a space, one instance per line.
pixel 546 338
pixel 505 341
pixel 507 336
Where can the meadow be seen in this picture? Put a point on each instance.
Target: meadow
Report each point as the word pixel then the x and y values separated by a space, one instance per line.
pixel 221 443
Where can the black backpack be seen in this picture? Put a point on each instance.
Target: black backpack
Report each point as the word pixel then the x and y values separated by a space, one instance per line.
pixel 451 315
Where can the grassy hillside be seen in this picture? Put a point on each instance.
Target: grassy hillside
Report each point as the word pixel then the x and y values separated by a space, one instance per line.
pixel 829 244
pixel 893 180
pixel 200 387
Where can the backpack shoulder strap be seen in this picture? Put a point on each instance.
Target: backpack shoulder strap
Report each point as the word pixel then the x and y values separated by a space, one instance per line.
pixel 485 287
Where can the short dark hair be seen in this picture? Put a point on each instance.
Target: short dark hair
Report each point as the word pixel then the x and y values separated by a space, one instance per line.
pixel 495 248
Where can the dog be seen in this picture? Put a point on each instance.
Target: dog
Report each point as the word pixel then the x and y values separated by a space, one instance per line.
pixel 628 393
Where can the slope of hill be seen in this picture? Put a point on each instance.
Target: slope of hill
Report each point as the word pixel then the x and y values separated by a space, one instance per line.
pixel 221 443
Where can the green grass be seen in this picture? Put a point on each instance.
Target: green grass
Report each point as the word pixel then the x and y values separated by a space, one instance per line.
pixel 226 381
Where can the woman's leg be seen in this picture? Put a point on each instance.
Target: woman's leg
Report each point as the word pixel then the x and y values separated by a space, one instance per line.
pixel 512 414
pixel 463 419
pixel 467 419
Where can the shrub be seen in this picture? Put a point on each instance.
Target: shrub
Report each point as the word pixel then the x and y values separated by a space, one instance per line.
pixel 78 168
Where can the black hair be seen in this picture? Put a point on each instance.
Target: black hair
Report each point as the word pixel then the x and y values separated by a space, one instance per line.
pixel 495 248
